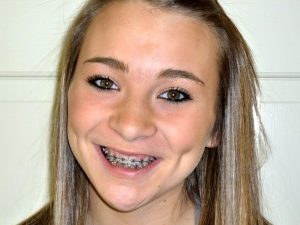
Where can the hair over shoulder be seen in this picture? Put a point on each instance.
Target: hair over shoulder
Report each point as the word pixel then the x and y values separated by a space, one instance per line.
pixel 42 217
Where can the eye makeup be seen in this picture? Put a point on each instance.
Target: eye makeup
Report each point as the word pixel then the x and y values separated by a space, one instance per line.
pixel 103 83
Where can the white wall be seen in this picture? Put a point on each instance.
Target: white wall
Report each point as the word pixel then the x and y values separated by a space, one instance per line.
pixel 30 33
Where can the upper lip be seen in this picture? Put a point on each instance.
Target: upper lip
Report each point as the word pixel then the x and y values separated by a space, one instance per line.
pixel 128 153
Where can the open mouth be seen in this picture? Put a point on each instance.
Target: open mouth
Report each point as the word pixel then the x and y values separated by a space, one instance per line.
pixel 125 161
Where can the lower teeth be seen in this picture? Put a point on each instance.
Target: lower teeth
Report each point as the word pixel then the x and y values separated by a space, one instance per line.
pixel 125 163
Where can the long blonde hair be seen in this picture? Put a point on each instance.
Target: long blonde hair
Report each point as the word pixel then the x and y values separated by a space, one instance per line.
pixel 227 178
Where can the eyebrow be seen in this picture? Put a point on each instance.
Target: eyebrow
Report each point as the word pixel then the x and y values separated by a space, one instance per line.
pixel 111 62
pixel 168 73
pixel 174 73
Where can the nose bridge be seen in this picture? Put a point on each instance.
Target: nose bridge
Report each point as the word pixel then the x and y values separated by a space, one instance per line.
pixel 133 118
pixel 133 108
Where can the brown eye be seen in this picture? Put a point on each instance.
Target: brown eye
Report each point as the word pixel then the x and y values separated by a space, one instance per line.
pixel 175 95
pixel 103 83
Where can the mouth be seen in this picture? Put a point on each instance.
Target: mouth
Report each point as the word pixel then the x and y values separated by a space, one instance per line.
pixel 127 161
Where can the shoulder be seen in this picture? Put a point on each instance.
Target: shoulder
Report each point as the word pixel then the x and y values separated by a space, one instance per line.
pixel 42 217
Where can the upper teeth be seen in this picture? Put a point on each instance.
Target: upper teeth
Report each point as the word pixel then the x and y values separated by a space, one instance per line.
pixel 127 161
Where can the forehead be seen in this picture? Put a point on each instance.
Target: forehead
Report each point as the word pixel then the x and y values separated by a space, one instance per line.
pixel 124 28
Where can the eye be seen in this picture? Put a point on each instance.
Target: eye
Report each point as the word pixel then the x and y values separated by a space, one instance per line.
pixel 175 95
pixel 103 83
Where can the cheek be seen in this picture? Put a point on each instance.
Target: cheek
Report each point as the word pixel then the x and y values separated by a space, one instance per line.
pixel 82 118
pixel 83 114
pixel 188 131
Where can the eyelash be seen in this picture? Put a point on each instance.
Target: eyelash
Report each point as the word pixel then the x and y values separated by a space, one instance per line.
pixel 92 80
pixel 183 94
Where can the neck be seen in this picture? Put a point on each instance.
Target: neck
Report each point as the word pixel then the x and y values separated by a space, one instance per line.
pixel 170 210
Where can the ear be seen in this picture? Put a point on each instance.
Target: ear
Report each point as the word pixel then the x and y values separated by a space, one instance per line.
pixel 213 141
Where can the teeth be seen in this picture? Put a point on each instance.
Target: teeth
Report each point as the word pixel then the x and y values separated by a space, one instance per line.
pixel 130 162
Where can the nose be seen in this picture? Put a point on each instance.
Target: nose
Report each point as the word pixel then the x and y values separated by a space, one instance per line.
pixel 132 120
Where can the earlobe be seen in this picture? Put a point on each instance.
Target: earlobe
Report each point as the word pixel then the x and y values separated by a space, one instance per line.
pixel 213 141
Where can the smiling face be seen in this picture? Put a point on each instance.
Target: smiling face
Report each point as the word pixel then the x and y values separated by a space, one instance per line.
pixel 141 105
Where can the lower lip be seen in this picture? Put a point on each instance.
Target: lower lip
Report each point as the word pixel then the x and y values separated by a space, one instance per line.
pixel 125 172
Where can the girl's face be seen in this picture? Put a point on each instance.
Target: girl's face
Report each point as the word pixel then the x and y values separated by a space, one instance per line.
pixel 141 105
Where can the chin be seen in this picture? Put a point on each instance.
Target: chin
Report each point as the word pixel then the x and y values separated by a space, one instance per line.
pixel 123 206
pixel 123 199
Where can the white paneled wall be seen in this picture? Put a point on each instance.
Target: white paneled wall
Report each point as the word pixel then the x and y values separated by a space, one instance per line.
pixel 30 34
pixel 25 106
pixel 272 31
pixel 280 113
